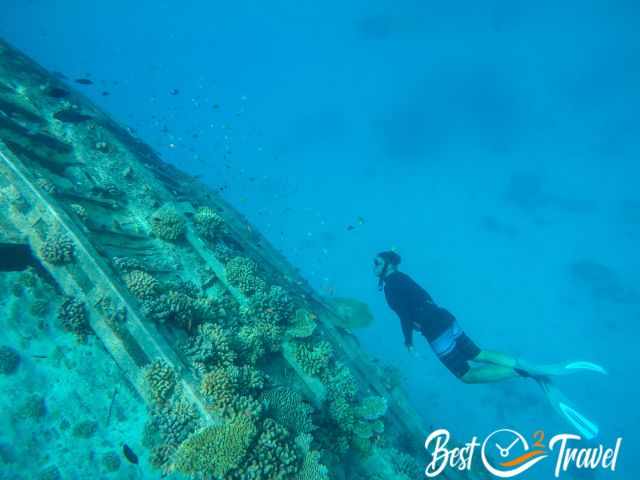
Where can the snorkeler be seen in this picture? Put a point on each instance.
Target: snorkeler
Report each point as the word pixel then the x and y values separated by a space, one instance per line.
pixel 417 311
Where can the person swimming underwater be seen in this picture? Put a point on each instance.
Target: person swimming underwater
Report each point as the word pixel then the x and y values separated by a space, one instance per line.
pixel 418 311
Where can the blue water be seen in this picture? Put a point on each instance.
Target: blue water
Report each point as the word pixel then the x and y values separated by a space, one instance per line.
pixel 494 144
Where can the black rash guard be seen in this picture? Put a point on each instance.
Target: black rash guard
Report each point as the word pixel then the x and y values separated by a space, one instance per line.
pixel 415 307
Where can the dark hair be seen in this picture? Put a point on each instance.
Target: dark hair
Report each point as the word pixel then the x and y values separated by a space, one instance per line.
pixel 390 258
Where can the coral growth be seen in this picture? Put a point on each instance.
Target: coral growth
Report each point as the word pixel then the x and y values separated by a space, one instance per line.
pixel 272 455
pixel 288 408
pixel 313 359
pixel 312 469
pixel 229 390
pixel 160 380
pixel 371 408
pixel 33 408
pixel 73 318
pixel 176 422
pixel 210 348
pixel 127 264
pixel 9 360
pixel 58 249
pixel 216 450
pixel 85 429
pixel 259 337
pixel 180 303
pixel 223 252
pixel 180 309
pixel 340 381
pixel 242 274
pixel 80 211
pixel 141 284
pixel 111 461
pixel 274 305
pixel 167 224
pixel 208 223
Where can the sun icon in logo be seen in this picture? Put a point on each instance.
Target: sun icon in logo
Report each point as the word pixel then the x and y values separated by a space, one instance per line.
pixel 511 452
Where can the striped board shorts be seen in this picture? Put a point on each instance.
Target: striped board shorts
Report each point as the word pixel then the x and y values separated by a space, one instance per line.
pixel 455 349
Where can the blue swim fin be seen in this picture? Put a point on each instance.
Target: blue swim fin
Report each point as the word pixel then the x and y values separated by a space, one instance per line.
pixel 585 427
pixel 564 368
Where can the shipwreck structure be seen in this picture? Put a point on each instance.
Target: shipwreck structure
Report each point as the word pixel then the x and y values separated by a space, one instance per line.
pixel 161 334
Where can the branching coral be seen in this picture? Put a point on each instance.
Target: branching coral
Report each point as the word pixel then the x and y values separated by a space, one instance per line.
pixel 371 408
pixel 175 422
pixel 206 309
pixel 312 469
pixel 223 252
pixel 208 223
pixel 251 344
pixel 274 305
pixel 180 309
pixel 248 379
pixel 167 224
pixel 128 264
pixel 210 348
pixel 218 387
pixel 216 450
pixel 141 284
pixel 73 318
pixel 340 381
pixel 342 414
pixel 272 456
pixel 313 360
pixel 58 249
pixel 9 360
pixel 255 340
pixel 161 456
pixel 229 389
pixel 242 274
pixel 160 381
pixel 288 408
pixel 270 333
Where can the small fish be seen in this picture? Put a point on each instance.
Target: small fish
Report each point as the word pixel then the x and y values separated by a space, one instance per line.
pixel 105 94
pixel 360 221
pixel 174 91
pixel 56 92
pixel 350 227
pixel 129 454
pixel 39 356
pixel 71 116
pixel 84 81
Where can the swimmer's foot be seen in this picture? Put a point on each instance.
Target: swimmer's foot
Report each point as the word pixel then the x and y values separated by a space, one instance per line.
pixel 554 369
